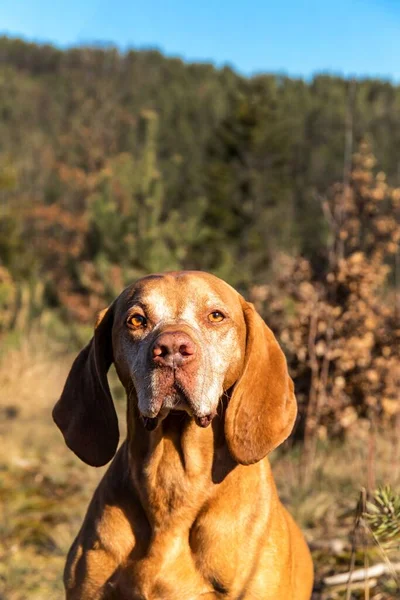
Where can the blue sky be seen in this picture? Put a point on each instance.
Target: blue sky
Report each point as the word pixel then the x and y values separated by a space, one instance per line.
pixel 298 37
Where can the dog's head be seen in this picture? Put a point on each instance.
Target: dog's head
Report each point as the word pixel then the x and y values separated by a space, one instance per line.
pixel 179 341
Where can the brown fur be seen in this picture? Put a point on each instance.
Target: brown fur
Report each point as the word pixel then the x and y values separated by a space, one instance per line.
pixel 184 512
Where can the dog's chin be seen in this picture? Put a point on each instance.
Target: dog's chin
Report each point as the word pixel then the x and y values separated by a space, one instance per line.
pixel 171 398
pixel 175 400
pixel 169 394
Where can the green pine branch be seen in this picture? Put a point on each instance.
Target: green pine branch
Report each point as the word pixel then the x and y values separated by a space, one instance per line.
pixel 382 516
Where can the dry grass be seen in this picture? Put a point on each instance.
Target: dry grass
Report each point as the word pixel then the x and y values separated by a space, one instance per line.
pixel 44 488
pixel 327 507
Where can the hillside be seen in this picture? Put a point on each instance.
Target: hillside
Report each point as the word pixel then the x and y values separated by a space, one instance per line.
pixel 242 161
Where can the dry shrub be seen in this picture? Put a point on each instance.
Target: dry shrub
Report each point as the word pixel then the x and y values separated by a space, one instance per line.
pixel 339 326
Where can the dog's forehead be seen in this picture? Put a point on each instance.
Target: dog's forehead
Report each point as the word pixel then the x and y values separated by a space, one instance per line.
pixel 183 291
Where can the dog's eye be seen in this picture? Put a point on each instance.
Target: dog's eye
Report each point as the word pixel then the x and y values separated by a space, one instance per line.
pixel 216 316
pixel 136 321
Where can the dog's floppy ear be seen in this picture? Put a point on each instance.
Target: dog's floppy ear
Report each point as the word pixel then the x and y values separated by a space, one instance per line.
pixel 262 410
pixel 85 412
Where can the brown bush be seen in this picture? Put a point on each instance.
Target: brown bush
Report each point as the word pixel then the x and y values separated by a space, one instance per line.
pixel 340 326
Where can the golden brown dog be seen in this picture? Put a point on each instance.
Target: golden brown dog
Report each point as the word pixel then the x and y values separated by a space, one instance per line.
pixel 185 511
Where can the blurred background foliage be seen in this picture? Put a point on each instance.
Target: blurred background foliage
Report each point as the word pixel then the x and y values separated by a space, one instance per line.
pixel 114 165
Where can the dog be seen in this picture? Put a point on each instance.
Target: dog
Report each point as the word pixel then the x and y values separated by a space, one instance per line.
pixel 188 508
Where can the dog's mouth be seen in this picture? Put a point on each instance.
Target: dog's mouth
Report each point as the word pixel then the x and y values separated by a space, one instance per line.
pixel 182 401
pixel 151 423
pixel 175 398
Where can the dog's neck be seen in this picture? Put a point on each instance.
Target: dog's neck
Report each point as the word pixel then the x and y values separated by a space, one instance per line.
pixel 176 467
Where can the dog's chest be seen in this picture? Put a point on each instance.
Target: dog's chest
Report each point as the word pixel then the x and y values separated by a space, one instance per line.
pixel 177 490
pixel 168 563
pixel 200 559
pixel 194 541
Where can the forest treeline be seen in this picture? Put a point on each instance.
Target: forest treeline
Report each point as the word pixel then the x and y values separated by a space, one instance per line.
pixel 113 165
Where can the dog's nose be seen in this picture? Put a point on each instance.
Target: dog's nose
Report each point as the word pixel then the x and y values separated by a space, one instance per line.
pixel 173 349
